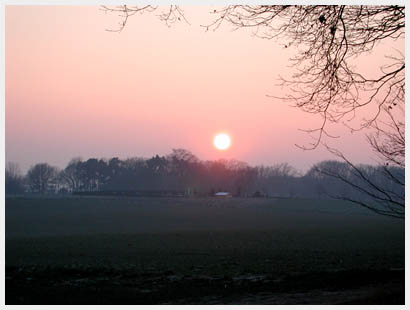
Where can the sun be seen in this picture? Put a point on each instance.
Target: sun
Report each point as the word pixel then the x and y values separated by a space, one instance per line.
pixel 222 141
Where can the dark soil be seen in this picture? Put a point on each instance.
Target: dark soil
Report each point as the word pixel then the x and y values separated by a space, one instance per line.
pixel 53 286
pixel 200 251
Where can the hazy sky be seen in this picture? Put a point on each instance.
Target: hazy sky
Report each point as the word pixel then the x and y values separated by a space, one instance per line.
pixel 74 89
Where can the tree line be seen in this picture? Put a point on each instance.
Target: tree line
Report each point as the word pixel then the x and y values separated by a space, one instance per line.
pixel 183 171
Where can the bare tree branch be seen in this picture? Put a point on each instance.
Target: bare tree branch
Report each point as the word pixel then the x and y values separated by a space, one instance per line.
pixel 169 17
pixel 381 199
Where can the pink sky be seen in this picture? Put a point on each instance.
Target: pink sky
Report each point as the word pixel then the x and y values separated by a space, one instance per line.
pixel 74 89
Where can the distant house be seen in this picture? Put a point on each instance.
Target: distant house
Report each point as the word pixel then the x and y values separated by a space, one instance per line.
pixel 223 194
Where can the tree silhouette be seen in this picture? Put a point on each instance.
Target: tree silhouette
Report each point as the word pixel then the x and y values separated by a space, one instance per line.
pixel 71 176
pixel 382 187
pixel 13 179
pixel 40 176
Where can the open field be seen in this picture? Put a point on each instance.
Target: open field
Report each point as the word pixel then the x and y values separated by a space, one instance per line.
pixel 200 251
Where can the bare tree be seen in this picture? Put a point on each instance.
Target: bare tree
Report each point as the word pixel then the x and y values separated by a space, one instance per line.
pixel 388 141
pixel 382 189
pixel 13 179
pixel 71 176
pixel 40 177
pixel 13 170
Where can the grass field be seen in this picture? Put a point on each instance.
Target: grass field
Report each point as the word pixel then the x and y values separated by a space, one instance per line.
pixel 200 251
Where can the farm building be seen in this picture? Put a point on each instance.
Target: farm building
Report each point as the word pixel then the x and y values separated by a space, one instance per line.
pixel 223 194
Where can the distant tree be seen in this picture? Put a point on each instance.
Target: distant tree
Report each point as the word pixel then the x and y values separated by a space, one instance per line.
pixel 158 166
pixel 276 179
pixel 71 175
pixel 243 177
pixel 114 166
pixel 136 174
pixel 323 184
pixel 13 179
pixel 382 188
pixel 40 176
pixel 93 173
pixel 182 156
pixel 181 164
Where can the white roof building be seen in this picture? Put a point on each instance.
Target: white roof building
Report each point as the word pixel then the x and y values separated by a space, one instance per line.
pixel 223 194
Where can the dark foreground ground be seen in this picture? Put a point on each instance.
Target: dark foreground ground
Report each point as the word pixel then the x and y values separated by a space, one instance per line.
pixel 200 251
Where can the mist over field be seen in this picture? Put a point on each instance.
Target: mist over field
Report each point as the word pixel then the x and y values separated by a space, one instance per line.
pixel 34 217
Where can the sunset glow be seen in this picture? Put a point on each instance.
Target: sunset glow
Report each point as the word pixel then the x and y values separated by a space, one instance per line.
pixel 107 95
pixel 222 141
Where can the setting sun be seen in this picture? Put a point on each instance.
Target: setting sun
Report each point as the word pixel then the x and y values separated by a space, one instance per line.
pixel 222 141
